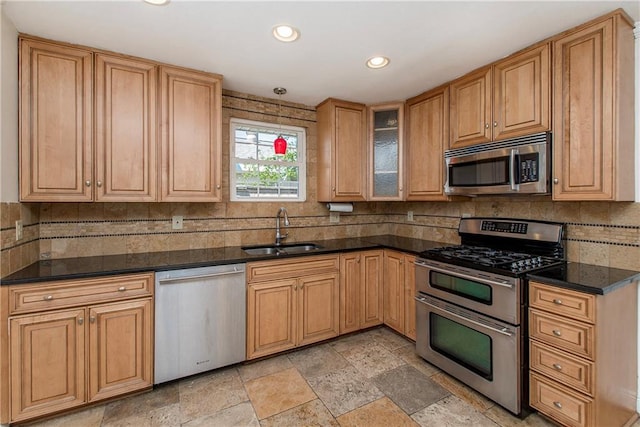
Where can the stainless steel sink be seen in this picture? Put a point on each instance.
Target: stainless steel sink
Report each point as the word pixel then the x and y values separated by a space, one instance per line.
pixel 293 248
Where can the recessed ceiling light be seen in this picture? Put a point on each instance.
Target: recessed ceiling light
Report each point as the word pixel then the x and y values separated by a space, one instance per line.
pixel 157 2
pixel 377 62
pixel 285 33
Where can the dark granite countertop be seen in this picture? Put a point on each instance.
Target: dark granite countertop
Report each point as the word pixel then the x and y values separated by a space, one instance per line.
pixel 74 268
pixel 592 279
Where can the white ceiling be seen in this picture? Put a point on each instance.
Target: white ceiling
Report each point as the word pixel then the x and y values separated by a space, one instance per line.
pixel 428 42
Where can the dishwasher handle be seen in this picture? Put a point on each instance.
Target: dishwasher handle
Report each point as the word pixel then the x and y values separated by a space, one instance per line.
pixel 201 276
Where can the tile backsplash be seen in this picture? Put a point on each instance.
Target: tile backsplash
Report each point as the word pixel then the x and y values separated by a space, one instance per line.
pixel 597 233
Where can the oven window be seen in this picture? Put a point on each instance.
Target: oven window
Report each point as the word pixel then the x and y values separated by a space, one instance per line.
pixel 467 347
pixel 494 171
pixel 465 288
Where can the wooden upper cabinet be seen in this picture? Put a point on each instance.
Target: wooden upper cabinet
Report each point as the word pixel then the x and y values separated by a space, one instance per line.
pixel 510 98
pixel 386 125
pixel 191 147
pixel 593 128
pixel 427 136
pixel 55 122
pixel 522 93
pixel 342 151
pixel 470 109
pixel 125 129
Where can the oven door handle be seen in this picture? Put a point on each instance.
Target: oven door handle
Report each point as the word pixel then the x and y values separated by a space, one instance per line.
pixel 453 270
pixel 466 319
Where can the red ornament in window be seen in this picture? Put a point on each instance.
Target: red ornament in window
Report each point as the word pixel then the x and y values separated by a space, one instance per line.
pixel 280 145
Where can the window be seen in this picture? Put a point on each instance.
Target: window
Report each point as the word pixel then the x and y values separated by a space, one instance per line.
pixel 256 172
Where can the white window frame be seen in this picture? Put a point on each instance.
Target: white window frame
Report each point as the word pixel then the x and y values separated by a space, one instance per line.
pixel 274 128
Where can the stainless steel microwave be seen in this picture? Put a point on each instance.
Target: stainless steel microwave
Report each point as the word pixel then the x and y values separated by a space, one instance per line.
pixel 514 166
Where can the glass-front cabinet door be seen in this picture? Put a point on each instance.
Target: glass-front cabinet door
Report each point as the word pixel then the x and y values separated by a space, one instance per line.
pixel 385 143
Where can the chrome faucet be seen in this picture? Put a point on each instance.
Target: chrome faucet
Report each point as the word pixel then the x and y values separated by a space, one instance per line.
pixel 279 236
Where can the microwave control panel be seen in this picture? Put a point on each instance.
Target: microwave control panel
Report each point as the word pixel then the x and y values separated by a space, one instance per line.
pixel 529 165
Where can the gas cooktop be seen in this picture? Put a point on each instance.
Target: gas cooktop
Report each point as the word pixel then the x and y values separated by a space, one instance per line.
pixel 504 246
pixel 478 257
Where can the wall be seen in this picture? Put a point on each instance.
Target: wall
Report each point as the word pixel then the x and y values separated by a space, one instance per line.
pixel 8 109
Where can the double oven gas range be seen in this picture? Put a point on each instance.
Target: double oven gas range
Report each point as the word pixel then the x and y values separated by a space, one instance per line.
pixel 470 303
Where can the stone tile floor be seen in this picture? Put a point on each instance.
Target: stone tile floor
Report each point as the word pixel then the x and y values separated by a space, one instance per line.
pixel 369 379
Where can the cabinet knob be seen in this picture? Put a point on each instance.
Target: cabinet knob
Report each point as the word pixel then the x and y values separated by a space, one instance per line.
pixel 218 186
pixel 92 319
pixel 80 320
pixel 333 189
pixel 555 180
pixel 295 287
pixel 557 367
pixel 122 289
pixel 47 297
pixel 301 286
pixel 557 332
pixel 358 259
pixel 557 301
pixel 557 405
pixel 486 125
pixel 87 183
pixel 495 124
pixel 99 183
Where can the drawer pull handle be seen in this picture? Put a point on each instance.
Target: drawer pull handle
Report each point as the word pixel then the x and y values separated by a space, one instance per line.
pixel 557 333
pixel 557 367
pixel 47 297
pixel 122 289
pixel 557 405
pixel 557 301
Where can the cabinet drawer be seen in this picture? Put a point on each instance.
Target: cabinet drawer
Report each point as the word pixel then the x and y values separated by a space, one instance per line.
pixel 53 295
pixel 573 336
pixel 567 369
pixel 577 305
pixel 269 270
pixel 560 403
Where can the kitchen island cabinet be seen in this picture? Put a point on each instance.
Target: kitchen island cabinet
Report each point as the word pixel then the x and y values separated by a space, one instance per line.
pixel 78 341
pixel 593 104
pixel 342 151
pixel 583 355
pixel 290 303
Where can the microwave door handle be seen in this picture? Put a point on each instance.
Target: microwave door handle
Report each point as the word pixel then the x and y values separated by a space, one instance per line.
pixel 512 172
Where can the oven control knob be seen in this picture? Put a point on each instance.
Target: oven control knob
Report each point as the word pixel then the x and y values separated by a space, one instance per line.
pixel 514 266
pixel 527 262
pixel 521 263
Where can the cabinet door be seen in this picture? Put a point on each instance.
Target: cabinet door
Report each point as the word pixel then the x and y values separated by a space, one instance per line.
pixel 47 363
pixel 409 299
pixel 55 123
pixel 371 300
pixel 586 132
pixel 191 150
pixel 318 309
pixel 350 277
pixel 120 348
pixel 126 147
pixel 427 138
pixel 522 94
pixel 394 290
pixel 470 109
pixel 385 149
pixel 272 310
pixel 350 155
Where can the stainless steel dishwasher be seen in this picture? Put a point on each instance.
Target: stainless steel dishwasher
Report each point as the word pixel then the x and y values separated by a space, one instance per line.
pixel 200 320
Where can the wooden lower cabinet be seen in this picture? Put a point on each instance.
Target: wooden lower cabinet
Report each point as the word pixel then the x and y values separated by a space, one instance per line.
pixel 63 357
pixel 120 346
pixel 286 312
pixel 399 290
pixel 361 304
pixel 583 355
pixel 47 363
